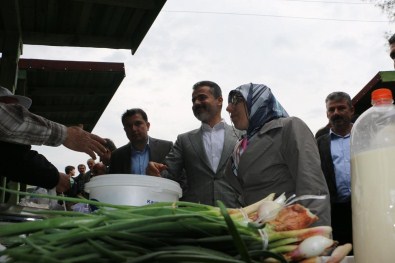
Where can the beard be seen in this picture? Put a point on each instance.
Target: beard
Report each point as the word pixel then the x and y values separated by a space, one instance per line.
pixel 204 113
pixel 203 116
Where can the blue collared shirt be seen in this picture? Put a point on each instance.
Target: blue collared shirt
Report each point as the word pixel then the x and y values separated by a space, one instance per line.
pixel 340 150
pixel 140 160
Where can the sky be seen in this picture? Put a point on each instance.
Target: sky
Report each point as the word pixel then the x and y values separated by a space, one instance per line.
pixel 302 49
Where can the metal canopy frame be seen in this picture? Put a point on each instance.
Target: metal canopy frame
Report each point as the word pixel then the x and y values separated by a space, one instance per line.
pixel 118 24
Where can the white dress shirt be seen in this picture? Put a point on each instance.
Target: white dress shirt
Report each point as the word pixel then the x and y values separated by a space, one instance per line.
pixel 213 140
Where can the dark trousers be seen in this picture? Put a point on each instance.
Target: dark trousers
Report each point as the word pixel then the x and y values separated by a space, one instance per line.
pixel 342 222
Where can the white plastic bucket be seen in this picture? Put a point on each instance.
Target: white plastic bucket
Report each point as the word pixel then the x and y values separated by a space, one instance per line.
pixel 132 189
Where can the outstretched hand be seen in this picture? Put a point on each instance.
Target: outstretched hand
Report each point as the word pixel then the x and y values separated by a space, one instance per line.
pixel 155 169
pixel 82 141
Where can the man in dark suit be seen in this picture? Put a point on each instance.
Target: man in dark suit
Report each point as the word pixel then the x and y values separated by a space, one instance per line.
pixel 334 148
pixel 198 158
pixel 133 157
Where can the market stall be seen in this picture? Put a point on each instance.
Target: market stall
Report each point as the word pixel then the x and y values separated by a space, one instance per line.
pixel 270 230
pixel 69 92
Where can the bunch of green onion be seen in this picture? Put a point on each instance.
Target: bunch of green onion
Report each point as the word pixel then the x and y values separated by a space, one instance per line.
pixel 161 232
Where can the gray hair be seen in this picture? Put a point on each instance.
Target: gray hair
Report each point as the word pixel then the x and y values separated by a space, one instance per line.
pixel 338 96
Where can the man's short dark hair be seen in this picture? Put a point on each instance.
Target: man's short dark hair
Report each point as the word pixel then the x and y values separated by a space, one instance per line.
pixel 215 89
pixel 338 96
pixel 131 112
pixel 69 168
pixel 391 40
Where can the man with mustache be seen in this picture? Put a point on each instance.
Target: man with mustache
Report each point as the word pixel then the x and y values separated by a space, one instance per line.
pixel 334 148
pixel 198 158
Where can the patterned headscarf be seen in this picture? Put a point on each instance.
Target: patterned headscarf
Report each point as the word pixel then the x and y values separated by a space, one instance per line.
pixel 262 107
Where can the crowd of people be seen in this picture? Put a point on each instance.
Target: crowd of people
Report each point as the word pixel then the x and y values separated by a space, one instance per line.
pixel 265 151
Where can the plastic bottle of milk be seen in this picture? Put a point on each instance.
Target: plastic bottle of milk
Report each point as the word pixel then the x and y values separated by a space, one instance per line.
pixel 373 181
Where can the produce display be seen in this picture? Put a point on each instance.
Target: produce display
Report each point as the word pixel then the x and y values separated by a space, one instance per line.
pixel 267 231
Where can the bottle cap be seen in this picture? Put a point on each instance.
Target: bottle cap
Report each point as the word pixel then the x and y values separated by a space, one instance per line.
pixel 381 94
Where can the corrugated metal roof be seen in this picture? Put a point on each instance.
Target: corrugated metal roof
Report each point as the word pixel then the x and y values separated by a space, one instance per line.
pixel 65 91
pixel 119 24
pixel 69 92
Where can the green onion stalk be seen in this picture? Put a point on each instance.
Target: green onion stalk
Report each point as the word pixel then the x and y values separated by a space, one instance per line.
pixel 161 232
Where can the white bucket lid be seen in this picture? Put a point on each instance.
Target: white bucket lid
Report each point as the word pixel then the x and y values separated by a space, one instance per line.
pixel 134 180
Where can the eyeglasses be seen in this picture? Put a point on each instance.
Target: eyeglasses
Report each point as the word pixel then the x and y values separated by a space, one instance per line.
pixel 235 99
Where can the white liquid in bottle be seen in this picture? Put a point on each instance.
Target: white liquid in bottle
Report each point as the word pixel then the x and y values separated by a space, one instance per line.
pixel 373 201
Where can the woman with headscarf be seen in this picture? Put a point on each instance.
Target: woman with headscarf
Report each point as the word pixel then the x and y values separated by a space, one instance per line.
pixel 278 154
